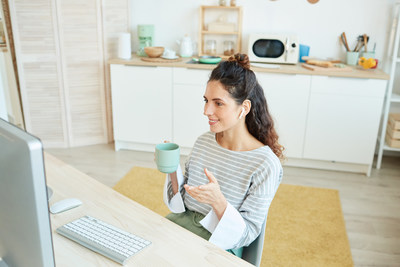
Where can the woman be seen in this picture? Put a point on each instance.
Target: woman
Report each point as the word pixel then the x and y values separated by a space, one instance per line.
pixel 233 171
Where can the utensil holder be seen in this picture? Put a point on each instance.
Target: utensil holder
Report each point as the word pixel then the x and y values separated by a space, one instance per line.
pixel 352 58
pixel 368 55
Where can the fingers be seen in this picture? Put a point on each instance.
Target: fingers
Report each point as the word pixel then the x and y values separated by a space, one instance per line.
pixel 196 193
pixel 210 176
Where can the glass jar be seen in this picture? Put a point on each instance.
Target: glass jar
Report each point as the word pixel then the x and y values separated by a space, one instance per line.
pixel 211 47
pixel 229 48
pixel 233 2
pixel 222 2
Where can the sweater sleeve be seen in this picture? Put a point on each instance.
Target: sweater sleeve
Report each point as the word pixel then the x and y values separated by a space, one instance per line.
pixel 175 202
pixel 238 228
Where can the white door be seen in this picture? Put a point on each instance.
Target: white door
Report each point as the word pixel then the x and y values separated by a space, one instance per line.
pixel 287 99
pixel 141 100
pixel 343 119
pixel 188 105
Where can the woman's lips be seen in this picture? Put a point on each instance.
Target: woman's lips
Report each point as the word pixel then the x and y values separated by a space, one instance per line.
pixel 212 122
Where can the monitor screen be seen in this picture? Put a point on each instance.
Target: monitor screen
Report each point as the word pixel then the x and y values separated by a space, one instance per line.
pixel 25 232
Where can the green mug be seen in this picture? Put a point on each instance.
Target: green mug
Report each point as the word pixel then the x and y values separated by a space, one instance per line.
pixel 167 157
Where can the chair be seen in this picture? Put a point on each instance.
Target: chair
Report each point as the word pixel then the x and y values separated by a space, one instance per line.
pixel 253 252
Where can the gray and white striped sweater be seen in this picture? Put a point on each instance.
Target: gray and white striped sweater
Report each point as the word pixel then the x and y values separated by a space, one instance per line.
pixel 248 180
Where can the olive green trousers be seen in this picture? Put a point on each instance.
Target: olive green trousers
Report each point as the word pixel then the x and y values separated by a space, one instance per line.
pixel 190 220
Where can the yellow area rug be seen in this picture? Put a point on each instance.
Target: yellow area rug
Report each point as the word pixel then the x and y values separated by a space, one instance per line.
pixel 305 225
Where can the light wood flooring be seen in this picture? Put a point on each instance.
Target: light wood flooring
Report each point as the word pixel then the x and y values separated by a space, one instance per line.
pixel 371 205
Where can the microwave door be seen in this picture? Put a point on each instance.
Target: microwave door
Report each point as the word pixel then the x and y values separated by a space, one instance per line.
pixel 268 48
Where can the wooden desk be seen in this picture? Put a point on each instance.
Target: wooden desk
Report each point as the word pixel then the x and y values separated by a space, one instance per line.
pixel 171 244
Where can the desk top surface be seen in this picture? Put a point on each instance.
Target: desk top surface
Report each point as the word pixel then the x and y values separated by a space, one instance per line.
pixel 171 244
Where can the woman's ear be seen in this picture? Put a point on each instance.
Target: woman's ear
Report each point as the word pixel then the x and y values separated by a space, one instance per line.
pixel 247 106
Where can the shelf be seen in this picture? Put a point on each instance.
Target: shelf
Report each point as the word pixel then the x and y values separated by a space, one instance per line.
pixel 213 32
pixel 211 14
pixel 391 97
pixel 220 7
pixel 388 148
pixel 395 98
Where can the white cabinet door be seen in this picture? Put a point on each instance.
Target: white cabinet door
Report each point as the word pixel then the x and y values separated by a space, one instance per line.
pixel 343 119
pixel 141 99
pixel 287 99
pixel 188 105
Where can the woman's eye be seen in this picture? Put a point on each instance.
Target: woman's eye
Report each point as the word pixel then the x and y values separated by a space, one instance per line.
pixel 219 104
pixel 205 100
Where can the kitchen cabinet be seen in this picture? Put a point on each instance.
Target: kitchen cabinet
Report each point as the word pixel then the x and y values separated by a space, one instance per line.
pixel 142 106
pixel 324 122
pixel 287 99
pixel 189 122
pixel 343 119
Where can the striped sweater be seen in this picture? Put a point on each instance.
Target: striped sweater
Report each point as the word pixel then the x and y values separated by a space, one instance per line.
pixel 248 180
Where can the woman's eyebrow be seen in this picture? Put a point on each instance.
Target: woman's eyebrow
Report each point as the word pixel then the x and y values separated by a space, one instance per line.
pixel 214 99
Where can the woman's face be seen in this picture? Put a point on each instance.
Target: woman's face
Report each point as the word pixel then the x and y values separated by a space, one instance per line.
pixel 220 108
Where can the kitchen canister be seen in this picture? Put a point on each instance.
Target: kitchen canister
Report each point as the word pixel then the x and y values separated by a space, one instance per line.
pixel 352 58
pixel 124 45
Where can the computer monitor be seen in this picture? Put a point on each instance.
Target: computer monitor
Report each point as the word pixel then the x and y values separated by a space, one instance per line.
pixel 25 232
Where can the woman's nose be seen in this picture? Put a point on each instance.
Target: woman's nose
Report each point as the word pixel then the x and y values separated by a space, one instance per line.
pixel 207 109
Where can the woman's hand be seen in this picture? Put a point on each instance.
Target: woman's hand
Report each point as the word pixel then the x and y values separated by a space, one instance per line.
pixel 209 194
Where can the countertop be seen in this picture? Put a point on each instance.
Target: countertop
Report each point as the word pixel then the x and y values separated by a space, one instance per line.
pixel 356 71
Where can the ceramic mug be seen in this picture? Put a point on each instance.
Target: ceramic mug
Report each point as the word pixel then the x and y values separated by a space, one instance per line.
pixel 167 157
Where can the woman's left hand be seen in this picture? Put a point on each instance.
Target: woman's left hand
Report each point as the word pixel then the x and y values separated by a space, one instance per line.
pixel 209 194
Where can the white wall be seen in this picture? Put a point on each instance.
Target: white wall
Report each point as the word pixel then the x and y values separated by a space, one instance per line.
pixel 318 25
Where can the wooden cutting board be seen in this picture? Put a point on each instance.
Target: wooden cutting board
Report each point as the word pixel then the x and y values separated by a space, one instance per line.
pixel 160 59
pixel 333 69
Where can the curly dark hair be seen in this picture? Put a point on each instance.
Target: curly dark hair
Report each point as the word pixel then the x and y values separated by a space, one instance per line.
pixel 241 83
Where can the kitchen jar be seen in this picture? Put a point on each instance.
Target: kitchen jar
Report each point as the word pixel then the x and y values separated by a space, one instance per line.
pixel 229 48
pixel 211 47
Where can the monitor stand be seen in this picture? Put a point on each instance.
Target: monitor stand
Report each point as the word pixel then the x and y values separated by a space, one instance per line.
pixel 3 263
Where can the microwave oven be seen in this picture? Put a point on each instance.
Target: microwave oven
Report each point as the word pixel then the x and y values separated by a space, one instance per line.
pixel 268 48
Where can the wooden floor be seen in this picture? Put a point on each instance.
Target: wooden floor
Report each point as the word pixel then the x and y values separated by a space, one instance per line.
pixel 371 205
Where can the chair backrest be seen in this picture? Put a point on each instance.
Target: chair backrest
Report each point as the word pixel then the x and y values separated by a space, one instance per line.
pixel 253 252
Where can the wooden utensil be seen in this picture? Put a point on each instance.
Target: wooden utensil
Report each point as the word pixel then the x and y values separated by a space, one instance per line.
pixel 320 63
pixel 344 41
pixel 322 69
pixel 365 42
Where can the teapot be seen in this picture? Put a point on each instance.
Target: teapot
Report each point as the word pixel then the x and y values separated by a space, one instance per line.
pixel 186 46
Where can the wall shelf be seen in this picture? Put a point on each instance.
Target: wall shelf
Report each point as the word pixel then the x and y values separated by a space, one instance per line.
pixel 395 98
pixel 392 98
pixel 219 32
pixel 227 15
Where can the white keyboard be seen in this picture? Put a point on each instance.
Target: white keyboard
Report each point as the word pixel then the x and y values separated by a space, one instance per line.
pixel 103 238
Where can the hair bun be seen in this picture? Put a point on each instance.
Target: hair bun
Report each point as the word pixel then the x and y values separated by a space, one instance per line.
pixel 241 59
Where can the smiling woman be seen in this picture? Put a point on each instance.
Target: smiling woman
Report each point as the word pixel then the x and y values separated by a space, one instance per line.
pixel 234 170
